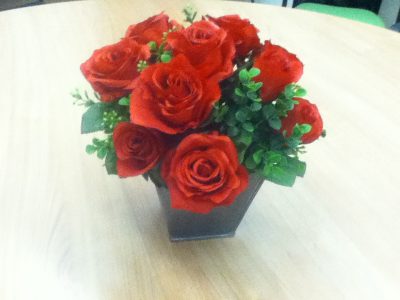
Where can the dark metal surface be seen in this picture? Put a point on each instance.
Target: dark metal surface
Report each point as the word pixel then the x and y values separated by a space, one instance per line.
pixel 219 223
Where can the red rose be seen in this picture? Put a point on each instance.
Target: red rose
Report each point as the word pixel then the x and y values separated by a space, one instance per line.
pixel 172 97
pixel 242 32
pixel 204 172
pixel 278 68
pixel 112 69
pixel 208 47
pixel 304 113
pixel 138 149
pixel 151 29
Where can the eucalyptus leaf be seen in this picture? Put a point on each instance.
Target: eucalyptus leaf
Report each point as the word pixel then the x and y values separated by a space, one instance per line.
pixel 124 101
pixel 275 123
pixel 248 127
pixel 279 175
pixel 244 76
pixel 233 131
pixel 253 72
pixel 250 163
pixel 255 106
pixel 102 152
pixel 90 149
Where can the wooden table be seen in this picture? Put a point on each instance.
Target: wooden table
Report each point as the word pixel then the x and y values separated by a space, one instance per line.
pixel 69 231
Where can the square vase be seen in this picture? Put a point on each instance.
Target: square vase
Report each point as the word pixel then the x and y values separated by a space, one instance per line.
pixel 219 223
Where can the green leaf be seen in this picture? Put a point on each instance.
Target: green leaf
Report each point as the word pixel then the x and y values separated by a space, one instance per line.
pixel 166 57
pixel 296 166
pixel 102 152
pixel 273 157
pixel 252 95
pixel 241 116
pixel 124 101
pixel 244 76
pixel 289 90
pixel 111 162
pixel 269 111
pixel 245 138
pixel 255 106
pixel 248 127
pixel 239 92
pixel 233 131
pixel 258 85
pixel 241 149
pixel 279 175
pixel 305 128
pixel 90 149
pixel 275 123
pixel 253 72
pixel 300 92
pixel 258 155
pixel 220 112
pixel 250 163
pixel 92 119
pixel 231 119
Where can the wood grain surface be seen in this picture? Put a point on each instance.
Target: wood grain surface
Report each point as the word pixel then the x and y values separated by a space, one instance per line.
pixel 69 231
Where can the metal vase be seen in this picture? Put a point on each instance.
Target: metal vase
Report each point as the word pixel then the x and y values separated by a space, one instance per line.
pixel 221 222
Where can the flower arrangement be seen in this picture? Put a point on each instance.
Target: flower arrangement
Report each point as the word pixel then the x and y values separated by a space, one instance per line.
pixel 198 108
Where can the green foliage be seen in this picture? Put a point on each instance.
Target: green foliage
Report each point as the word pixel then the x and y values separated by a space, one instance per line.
pixel 190 14
pixel 111 161
pixel 104 149
pixel 92 119
pixel 83 100
pixel 124 101
pixel 104 116
pixel 255 126
pixel 285 101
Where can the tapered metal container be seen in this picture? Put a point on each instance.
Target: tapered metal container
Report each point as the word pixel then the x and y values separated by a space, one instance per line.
pixel 219 223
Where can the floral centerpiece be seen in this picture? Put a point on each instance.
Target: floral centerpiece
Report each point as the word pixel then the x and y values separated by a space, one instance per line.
pixel 197 109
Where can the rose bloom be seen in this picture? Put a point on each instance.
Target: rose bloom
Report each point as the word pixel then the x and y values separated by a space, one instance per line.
pixel 242 32
pixel 304 113
pixel 138 149
pixel 151 29
pixel 203 172
pixel 173 97
pixel 112 69
pixel 278 68
pixel 207 46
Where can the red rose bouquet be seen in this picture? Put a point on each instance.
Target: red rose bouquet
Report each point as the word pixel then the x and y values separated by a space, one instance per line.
pixel 198 108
